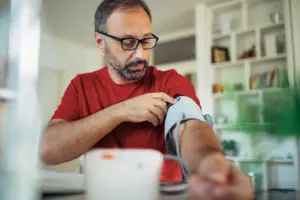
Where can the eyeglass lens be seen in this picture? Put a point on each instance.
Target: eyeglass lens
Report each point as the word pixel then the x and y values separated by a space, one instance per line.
pixel 131 43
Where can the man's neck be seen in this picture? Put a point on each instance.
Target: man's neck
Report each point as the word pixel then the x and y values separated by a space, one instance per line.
pixel 117 78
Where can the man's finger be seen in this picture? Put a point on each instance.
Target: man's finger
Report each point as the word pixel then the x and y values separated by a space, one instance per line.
pixel 239 187
pixel 161 104
pixel 199 188
pixel 236 191
pixel 159 114
pixel 152 118
pixel 165 97
pixel 215 167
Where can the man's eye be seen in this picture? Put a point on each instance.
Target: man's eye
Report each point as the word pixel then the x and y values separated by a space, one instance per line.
pixel 147 41
pixel 129 42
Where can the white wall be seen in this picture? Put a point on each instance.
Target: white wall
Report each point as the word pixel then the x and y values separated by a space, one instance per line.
pixel 49 89
pixel 66 59
pixel 60 61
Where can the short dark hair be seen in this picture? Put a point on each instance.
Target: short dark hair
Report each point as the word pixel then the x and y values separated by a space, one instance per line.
pixel 105 9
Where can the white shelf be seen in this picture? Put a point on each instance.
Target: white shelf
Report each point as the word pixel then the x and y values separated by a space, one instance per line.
pixel 220 36
pixel 269 27
pixel 7 94
pixel 266 59
pixel 218 96
pixel 284 161
pixel 185 33
pixel 238 159
pixel 265 27
pixel 259 91
pixel 255 160
pixel 228 64
pixel 238 126
pixel 223 126
pixel 182 67
pixel 249 60
pixel 226 6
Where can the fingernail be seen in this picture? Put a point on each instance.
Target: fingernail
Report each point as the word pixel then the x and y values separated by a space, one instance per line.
pixel 218 177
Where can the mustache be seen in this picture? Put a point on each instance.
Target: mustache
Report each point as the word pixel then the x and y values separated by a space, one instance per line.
pixel 137 62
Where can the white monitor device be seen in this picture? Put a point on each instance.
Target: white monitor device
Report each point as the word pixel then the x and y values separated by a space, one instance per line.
pixel 125 174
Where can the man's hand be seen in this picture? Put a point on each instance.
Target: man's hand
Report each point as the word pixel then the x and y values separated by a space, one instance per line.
pixel 150 107
pixel 218 179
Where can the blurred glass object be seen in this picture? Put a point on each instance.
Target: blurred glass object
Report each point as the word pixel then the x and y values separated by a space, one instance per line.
pixel 276 17
pixel 20 163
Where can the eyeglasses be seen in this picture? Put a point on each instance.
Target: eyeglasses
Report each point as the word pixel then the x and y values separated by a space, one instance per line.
pixel 130 43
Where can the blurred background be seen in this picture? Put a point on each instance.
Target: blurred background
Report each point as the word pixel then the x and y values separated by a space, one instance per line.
pixel 241 56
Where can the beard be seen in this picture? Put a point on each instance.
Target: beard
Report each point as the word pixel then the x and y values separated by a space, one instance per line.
pixel 125 70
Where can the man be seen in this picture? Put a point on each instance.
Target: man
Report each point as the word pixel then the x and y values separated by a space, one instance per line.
pixel 124 104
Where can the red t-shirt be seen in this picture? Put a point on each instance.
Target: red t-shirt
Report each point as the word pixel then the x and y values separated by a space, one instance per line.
pixel 91 92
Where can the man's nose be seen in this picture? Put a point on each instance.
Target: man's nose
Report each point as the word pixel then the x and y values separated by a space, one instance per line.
pixel 140 52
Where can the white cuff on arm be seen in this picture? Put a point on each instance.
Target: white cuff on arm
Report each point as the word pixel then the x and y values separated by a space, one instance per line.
pixel 184 109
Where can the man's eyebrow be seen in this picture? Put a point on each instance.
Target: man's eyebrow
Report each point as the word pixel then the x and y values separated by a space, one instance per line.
pixel 148 34
pixel 132 36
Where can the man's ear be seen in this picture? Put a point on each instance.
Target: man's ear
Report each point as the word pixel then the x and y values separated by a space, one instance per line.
pixel 100 42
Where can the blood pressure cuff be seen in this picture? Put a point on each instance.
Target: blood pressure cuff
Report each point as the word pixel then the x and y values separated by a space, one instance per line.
pixel 184 109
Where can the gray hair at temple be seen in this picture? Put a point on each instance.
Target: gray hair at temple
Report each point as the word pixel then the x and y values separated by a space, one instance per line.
pixel 105 9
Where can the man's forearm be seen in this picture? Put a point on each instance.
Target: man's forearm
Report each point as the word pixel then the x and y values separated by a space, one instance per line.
pixel 65 141
pixel 197 140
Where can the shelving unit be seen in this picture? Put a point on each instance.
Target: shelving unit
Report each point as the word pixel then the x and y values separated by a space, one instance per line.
pixel 246 93
pixel 240 26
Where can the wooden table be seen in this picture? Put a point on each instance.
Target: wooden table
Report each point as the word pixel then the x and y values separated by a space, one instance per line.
pixel 270 195
pixel 82 197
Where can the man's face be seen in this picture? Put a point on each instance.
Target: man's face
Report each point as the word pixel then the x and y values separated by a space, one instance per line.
pixel 124 23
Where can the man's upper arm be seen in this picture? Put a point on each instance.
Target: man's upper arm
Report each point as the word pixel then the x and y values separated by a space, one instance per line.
pixel 53 122
pixel 68 108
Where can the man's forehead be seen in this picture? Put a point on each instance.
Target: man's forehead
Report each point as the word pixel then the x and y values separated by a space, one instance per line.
pixel 129 22
pixel 127 16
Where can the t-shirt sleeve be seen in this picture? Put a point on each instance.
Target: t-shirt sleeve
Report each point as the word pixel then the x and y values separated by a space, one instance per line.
pixel 68 109
pixel 178 85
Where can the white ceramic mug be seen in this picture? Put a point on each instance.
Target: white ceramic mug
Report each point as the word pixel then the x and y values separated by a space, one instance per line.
pixel 122 174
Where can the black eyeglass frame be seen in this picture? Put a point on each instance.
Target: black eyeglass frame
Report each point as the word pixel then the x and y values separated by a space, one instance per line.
pixel 140 41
